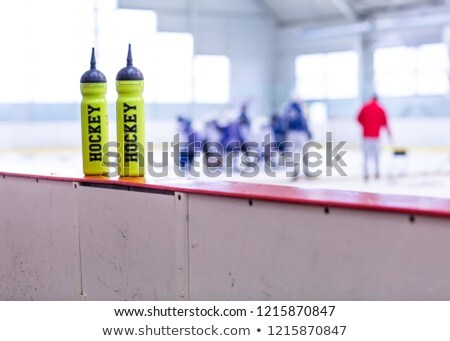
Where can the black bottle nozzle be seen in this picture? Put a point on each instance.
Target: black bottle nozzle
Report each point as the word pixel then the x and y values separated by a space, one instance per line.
pixel 129 73
pixel 93 61
pixel 93 75
pixel 129 57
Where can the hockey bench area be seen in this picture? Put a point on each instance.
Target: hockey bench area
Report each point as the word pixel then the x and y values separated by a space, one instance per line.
pixel 77 238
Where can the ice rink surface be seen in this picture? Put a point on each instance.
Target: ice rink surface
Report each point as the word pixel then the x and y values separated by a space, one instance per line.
pixel 422 172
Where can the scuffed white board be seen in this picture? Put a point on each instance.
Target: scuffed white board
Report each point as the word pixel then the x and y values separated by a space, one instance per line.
pixel 128 244
pixel 276 251
pixel 39 249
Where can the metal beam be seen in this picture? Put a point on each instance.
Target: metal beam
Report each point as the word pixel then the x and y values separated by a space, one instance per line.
pixel 185 7
pixel 396 8
pixel 346 9
pixel 378 25
pixel 262 5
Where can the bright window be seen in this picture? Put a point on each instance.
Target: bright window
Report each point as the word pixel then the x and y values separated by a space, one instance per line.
pixel 113 40
pixel 164 58
pixel 311 76
pixel 46 58
pixel 394 71
pixel 327 75
pixel 432 69
pixel 211 79
pixel 42 58
pixel 409 71
pixel 170 76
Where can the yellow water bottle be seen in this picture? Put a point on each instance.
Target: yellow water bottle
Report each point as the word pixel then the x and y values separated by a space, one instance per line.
pixel 130 120
pixel 94 120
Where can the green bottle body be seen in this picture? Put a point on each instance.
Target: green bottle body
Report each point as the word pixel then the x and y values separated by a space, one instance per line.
pixel 94 127
pixel 130 128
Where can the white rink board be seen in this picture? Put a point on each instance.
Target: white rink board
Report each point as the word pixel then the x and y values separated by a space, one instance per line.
pixel 39 246
pixel 64 240
pixel 279 251
pixel 127 244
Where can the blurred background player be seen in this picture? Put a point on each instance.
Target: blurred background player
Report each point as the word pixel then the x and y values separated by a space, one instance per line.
pixel 372 118
pixel 298 132
pixel 212 136
pixel 193 139
pixel 245 127
pixel 278 129
pixel 232 140
pixel 243 119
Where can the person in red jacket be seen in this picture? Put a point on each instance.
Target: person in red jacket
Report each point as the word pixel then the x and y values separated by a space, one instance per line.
pixel 372 118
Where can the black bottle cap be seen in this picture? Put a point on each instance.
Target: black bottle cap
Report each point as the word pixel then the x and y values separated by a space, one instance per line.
pixel 130 73
pixel 93 75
